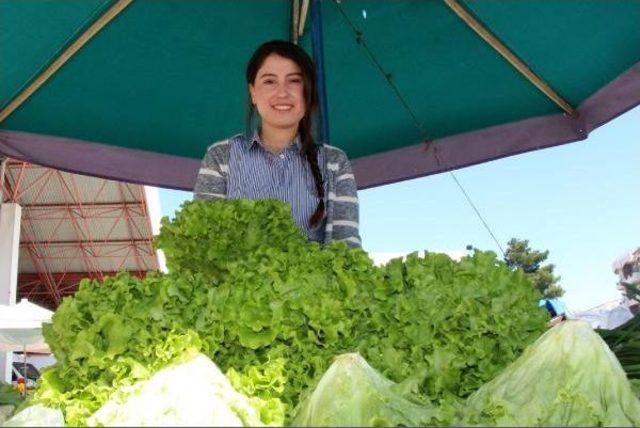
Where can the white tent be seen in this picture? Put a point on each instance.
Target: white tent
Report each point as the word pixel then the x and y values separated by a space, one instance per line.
pixel 21 327
pixel 606 316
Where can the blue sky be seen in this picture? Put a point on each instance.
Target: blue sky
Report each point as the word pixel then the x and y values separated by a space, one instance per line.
pixel 580 201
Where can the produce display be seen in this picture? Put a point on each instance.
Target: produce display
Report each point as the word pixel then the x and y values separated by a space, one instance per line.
pixel 440 327
pixel 273 311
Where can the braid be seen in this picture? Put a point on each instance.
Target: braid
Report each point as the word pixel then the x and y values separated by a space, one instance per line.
pixel 312 157
pixel 310 149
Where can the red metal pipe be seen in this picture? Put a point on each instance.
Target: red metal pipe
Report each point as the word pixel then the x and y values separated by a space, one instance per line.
pixel 98 243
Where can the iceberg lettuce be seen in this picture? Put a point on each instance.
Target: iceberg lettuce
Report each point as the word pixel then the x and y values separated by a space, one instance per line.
pixel 568 377
pixel 190 393
pixel 352 393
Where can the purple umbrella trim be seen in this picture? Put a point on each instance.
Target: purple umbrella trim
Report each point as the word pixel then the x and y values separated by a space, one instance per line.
pixel 462 150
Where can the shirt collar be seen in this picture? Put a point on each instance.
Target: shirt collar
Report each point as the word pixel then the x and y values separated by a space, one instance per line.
pixel 255 141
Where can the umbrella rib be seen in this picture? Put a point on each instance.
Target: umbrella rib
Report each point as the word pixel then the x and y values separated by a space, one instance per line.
pixel 295 20
pixel 299 12
pixel 303 17
pixel 511 57
pixel 41 79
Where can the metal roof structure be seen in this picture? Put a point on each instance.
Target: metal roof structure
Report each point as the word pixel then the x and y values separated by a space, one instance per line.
pixel 75 227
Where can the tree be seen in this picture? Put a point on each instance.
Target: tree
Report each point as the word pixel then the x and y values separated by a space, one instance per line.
pixel 520 256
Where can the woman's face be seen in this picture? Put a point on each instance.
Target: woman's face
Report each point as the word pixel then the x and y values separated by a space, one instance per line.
pixel 278 92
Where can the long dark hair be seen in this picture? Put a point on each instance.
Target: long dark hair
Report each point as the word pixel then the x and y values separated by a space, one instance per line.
pixel 305 127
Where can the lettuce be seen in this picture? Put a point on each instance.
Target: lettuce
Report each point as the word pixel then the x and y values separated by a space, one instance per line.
pixel 263 383
pixel 444 328
pixel 352 393
pixel 441 328
pixel 193 392
pixel 569 377
pixel 272 310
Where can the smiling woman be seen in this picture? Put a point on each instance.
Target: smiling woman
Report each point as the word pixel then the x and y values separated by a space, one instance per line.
pixel 279 158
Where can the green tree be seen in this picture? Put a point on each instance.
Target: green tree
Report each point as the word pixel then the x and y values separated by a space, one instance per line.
pixel 520 256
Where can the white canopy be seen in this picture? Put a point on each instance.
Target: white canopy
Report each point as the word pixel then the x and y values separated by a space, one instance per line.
pixel 606 316
pixel 21 327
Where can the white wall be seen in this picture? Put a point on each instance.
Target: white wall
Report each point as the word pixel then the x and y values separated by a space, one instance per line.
pixel 10 215
pixel 155 214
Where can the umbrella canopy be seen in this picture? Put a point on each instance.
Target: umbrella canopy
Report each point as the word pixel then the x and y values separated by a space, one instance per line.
pixel 408 88
pixel 21 327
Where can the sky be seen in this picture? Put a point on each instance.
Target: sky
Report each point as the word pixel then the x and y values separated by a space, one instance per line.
pixel 580 201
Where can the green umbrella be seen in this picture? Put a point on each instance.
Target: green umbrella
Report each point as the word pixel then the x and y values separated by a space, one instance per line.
pixel 137 90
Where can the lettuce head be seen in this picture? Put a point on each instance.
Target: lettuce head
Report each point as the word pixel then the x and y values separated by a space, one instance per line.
pixel 568 377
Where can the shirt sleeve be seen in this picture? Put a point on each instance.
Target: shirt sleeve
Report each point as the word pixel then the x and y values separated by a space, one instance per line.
pixel 345 222
pixel 211 182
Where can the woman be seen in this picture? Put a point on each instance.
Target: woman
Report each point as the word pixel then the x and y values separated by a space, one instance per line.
pixel 280 159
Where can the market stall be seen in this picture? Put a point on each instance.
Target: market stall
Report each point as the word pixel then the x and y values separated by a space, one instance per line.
pixel 270 328
pixel 254 325
pixel 21 327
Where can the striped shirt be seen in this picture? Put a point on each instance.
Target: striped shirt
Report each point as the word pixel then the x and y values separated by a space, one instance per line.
pixel 242 168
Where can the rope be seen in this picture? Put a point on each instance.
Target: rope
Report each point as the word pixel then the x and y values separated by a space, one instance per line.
pixel 417 123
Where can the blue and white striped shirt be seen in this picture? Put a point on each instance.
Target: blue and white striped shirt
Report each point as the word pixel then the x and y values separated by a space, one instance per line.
pixel 241 168
pixel 255 173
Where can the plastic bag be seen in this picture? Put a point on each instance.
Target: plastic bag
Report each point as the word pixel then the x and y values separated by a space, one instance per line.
pixel 352 393
pixel 568 377
pixel 36 416
pixel 192 393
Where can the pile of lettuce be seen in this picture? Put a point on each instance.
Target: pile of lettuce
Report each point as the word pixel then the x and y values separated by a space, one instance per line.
pixel 444 328
pixel 272 310
pixel 568 377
